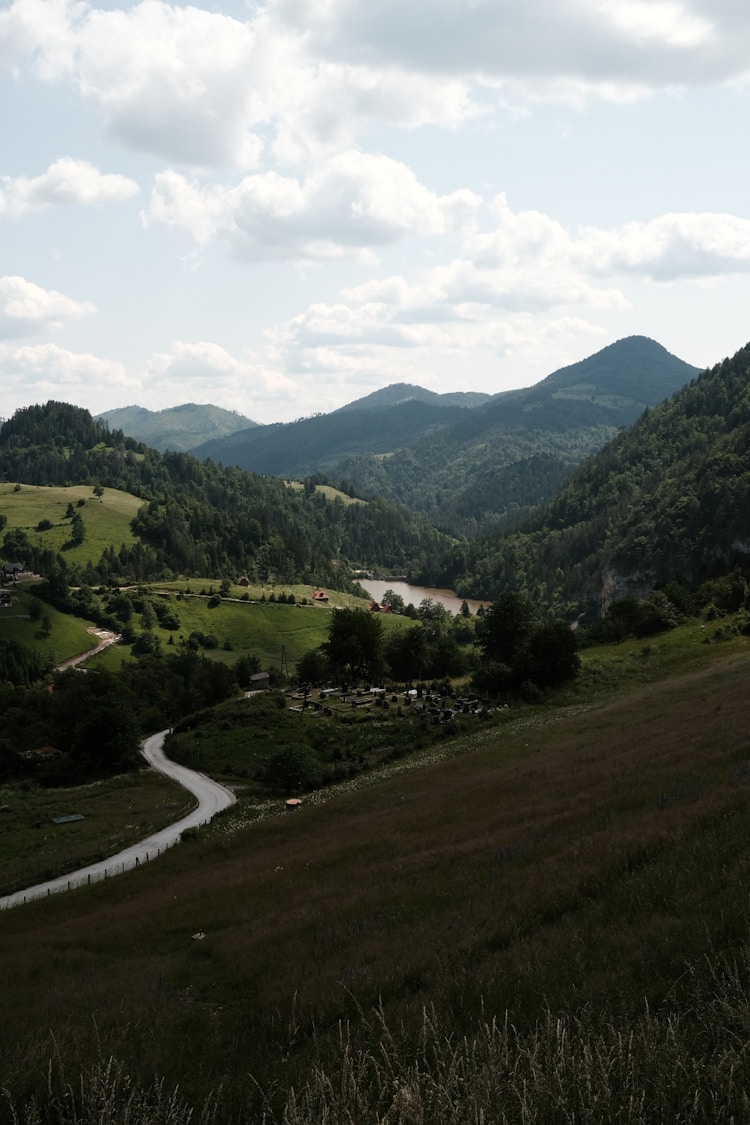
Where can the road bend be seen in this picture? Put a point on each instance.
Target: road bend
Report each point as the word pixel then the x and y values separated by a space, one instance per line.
pixel 210 795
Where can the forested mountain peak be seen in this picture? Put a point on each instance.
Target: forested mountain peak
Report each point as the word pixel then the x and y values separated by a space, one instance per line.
pixel 396 393
pixel 180 428
pixel 468 466
pixel 55 425
pixel 667 498
pixel 635 370
pixel 486 469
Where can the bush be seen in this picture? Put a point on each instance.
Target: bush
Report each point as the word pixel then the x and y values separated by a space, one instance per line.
pixel 293 768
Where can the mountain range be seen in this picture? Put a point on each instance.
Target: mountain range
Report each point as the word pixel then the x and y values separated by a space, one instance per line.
pixel 667 500
pixel 469 463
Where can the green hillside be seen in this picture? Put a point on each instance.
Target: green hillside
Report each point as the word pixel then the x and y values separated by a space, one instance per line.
pixel 667 499
pixel 551 919
pixel 195 518
pixel 469 466
pixel 107 518
pixel 319 443
pixel 177 427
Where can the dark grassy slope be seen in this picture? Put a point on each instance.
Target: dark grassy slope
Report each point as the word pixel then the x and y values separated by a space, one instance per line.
pixel 579 862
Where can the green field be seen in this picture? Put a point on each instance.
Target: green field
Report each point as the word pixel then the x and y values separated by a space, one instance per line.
pixel 116 812
pixel 107 521
pixel 277 634
pixel 67 636
pixel 587 858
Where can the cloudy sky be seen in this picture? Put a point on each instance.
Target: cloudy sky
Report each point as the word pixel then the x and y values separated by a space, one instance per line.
pixel 279 206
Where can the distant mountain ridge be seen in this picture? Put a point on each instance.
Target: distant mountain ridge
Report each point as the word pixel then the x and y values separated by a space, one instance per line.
pixel 396 393
pixel 179 428
pixel 468 463
pixel 196 518
pixel 318 444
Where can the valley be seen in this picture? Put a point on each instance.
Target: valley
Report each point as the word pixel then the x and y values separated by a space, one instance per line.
pixel 522 822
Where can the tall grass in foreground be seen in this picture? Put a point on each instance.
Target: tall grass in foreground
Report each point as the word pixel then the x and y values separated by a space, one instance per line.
pixel 686 1065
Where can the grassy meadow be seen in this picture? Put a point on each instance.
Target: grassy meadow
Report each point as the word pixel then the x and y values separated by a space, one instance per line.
pixel 107 521
pixel 274 632
pixel 546 921
pixel 117 812
pixel 61 635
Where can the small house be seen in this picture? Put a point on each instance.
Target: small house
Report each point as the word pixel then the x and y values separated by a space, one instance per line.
pixel 384 607
pixel 319 595
pixel 260 681
pixel 13 569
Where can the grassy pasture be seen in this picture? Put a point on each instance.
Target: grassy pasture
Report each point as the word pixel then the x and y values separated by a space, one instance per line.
pixel 67 636
pixel 259 628
pixel 117 812
pixel 107 521
pixel 328 491
pixel 579 859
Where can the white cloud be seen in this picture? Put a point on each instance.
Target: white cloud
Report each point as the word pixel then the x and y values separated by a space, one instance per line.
pixel 45 371
pixel 673 247
pixel 348 204
pixel 203 89
pixel 525 277
pixel 329 350
pixel 206 372
pixel 26 308
pixel 173 81
pixel 297 77
pixel 43 31
pixel 600 44
pixel 667 21
pixel 668 248
pixel 66 181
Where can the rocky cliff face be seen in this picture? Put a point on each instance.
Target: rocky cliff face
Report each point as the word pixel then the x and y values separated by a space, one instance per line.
pixel 615 585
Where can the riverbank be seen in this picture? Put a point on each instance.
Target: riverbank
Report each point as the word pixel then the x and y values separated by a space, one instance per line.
pixel 413 595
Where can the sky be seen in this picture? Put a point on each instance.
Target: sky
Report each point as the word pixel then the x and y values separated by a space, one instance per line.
pixel 279 206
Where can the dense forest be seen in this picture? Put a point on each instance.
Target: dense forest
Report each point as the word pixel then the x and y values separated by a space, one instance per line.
pixel 667 499
pixel 469 466
pixel 199 518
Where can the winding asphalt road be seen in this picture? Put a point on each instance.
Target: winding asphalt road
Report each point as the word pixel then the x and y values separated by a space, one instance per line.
pixel 212 798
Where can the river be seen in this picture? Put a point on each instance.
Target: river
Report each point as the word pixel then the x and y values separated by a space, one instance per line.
pixel 415 594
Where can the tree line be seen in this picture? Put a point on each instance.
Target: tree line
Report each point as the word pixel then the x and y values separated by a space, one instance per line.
pixel 666 499
pixel 199 518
